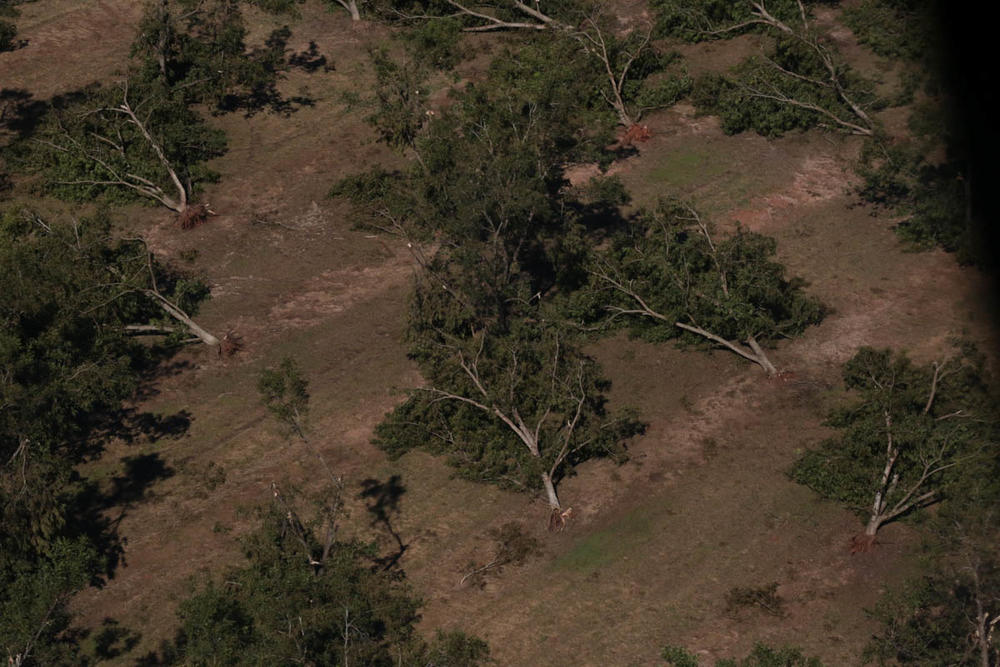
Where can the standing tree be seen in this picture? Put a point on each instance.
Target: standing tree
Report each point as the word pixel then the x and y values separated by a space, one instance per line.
pixel 668 276
pixel 906 440
pixel 518 408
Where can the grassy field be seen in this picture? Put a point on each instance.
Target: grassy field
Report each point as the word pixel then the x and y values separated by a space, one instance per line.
pixel 703 505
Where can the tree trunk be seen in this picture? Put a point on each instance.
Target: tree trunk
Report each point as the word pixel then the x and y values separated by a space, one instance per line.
pixel 762 359
pixel 550 491
pixel 184 319
pixel 874 523
pixel 352 7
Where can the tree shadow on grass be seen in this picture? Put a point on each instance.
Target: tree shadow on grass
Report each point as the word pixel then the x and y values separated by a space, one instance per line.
pixel 94 506
pixel 382 502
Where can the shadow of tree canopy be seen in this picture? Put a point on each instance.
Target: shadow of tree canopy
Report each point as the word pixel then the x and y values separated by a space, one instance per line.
pixel 382 502
pixel 92 505
pixel 310 60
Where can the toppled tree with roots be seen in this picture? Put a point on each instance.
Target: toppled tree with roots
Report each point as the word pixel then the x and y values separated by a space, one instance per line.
pixel 669 275
pixel 913 436
pixel 518 409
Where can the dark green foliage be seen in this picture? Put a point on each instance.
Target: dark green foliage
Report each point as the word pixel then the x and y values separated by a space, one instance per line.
pixel 69 292
pixel 196 51
pixel 34 592
pixel 897 29
pixel 935 620
pixel 8 31
pixel 762 655
pixel 926 176
pixel 759 96
pixel 940 421
pixel 488 188
pixel 668 266
pixel 437 44
pixel 88 148
pixel 295 602
pixel 701 20
pixel 932 196
pixel 488 185
pixel 511 546
pixel 678 657
pixel 764 598
pixel 277 6
pixel 400 100
pixel 530 375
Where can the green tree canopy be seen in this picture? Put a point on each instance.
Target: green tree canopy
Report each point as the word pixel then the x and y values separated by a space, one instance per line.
pixel 913 436
pixel 68 361
pixel 518 407
pixel 668 275
pixel 295 602
pixel 197 50
pixel 124 142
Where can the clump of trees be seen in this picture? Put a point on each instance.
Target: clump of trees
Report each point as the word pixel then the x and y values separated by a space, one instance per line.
pixel 913 436
pixel 510 399
pixel 72 301
pixel 669 275
pixel 305 595
pixel 924 174
pixel 950 614
pixel 302 598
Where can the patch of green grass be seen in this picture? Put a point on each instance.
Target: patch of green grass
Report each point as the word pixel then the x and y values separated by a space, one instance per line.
pixel 606 546
pixel 685 168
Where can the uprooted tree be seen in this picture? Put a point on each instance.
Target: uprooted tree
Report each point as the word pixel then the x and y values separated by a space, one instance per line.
pixel 669 275
pixel 124 144
pixel 908 440
pixel 800 82
pixel 519 409
pixel 628 68
pixel 124 277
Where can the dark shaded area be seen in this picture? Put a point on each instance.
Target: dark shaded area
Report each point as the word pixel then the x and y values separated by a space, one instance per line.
pixel 91 506
pixel 132 486
pixel 264 98
pixel 382 501
pixel 310 60
pixel 20 112
pixel 968 42
pixel 114 640
pixel 968 39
